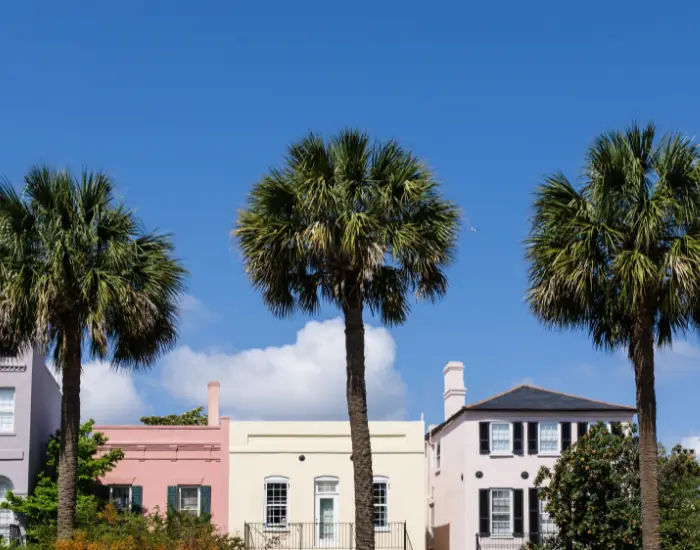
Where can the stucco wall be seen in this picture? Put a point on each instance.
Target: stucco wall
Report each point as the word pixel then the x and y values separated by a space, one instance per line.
pixel 262 449
pixel 160 456
pixel 498 471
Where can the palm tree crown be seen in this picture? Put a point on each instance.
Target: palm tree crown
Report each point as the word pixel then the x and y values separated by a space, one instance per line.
pixel 627 242
pixel 70 255
pixel 343 216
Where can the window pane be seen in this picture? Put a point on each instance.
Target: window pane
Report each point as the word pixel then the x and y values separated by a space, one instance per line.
pixel 120 496
pixel 7 409
pixel 549 437
pixel 547 525
pixel 380 501
pixel 189 500
pixel 276 504
pixel 500 437
pixel 327 486
pixel 500 512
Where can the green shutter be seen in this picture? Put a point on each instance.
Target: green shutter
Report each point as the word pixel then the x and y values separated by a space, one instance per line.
pixel 136 499
pixel 205 500
pixel 172 498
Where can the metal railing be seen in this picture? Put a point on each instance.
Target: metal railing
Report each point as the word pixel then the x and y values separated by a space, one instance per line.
pixel 517 541
pixel 313 535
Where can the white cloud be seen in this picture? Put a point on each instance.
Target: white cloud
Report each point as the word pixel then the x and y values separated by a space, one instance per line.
pixel 692 442
pixel 303 380
pixel 109 396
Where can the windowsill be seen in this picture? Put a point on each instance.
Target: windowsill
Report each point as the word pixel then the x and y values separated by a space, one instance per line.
pixel 382 529
pixel 501 455
pixel 8 434
pixel 549 455
pixel 284 529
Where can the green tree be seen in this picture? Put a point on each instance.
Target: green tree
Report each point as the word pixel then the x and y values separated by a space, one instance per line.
pixel 78 274
pixel 189 418
pixel 40 508
pixel 360 226
pixel 593 495
pixel 620 257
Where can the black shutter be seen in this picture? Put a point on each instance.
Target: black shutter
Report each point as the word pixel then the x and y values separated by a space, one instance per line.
pixel 484 523
pixel 518 512
pixel 484 438
pixel 616 428
pixel 582 429
pixel 517 438
pixel 534 513
pixel 565 435
pixel 532 438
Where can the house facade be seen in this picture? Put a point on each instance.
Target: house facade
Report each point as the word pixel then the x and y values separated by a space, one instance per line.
pixel 291 484
pixel 481 461
pixel 182 467
pixel 30 412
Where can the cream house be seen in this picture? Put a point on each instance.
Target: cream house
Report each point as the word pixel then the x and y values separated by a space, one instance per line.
pixel 291 484
pixel 482 460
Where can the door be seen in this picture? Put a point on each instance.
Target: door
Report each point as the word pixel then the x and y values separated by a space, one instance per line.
pixel 326 512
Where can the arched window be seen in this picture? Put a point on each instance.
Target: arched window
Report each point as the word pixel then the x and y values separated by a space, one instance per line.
pixel 380 500
pixel 276 502
pixel 6 516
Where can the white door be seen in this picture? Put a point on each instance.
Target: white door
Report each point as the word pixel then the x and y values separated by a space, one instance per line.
pixel 326 512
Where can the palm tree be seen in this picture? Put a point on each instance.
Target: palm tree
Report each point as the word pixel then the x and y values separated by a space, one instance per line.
pixel 79 274
pixel 620 257
pixel 360 226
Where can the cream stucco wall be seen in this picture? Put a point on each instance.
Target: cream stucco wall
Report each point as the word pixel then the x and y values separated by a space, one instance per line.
pixel 262 449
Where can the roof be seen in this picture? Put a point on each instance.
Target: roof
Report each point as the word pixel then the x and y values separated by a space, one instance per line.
pixel 526 398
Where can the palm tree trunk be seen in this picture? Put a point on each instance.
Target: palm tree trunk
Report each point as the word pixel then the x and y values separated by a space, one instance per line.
pixel 642 355
pixel 70 427
pixel 359 427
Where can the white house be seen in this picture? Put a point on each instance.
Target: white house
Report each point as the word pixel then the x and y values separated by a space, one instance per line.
pixel 482 460
pixel 291 484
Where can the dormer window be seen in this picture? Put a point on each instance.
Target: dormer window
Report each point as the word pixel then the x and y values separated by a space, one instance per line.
pixel 501 438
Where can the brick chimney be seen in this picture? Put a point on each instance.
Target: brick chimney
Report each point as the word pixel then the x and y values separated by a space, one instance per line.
pixel 455 392
pixel 213 405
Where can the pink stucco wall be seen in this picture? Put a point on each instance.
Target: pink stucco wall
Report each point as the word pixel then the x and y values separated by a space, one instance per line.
pixel 159 456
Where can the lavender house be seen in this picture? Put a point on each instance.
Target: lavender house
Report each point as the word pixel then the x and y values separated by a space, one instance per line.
pixel 30 412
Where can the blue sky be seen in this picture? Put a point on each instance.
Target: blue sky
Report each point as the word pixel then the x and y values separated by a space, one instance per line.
pixel 187 104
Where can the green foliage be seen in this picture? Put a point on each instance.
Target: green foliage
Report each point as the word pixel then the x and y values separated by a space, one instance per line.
pixel 76 261
pixel 344 218
pixel 593 495
pixel 39 509
pixel 189 418
pixel 627 241
pixel 108 529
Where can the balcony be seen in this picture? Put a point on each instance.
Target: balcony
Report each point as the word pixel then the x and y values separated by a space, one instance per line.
pixel 311 536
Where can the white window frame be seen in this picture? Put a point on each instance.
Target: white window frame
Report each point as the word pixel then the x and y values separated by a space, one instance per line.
pixel 323 538
pixel 273 480
pixel 557 452
pixel 8 515
pixel 130 497
pixel 509 534
pixel 385 480
pixel 438 455
pixel 509 450
pixel 542 512
pixel 11 412
pixel 199 498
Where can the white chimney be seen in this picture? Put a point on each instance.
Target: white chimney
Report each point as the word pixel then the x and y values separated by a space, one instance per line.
pixel 455 392
pixel 213 405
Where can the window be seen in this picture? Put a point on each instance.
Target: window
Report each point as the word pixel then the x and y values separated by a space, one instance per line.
pixel 437 456
pixel 501 512
pixel 7 410
pixel 547 525
pixel 501 438
pixel 549 438
pixel 120 497
pixel 276 502
pixel 6 516
pixel 188 500
pixel 380 498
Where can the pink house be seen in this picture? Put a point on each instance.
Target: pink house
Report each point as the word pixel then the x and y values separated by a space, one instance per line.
pixel 183 467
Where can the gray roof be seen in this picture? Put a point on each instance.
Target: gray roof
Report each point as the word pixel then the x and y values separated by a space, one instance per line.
pixel 531 398
pixel 526 398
